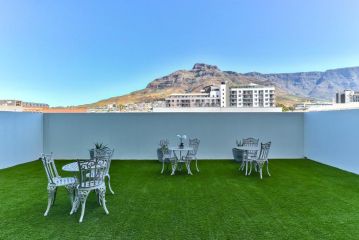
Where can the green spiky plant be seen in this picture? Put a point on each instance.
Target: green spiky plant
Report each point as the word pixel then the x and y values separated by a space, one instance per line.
pixel 100 146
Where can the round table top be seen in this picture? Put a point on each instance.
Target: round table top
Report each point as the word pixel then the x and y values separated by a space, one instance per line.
pixel 248 148
pixel 71 167
pixel 180 149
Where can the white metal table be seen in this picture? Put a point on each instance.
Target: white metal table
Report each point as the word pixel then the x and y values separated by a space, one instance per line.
pixel 246 149
pixel 71 167
pixel 179 150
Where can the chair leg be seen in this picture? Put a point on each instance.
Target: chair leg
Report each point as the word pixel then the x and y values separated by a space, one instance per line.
pixel 241 168
pixel 163 166
pixel 83 194
pixel 250 168
pixel 98 197
pixel 109 183
pixel 75 204
pixel 268 168
pixel 54 198
pixel 188 166
pixel 260 168
pixel 174 166
pixel 197 165
pixel 71 191
pixel 51 192
pixel 102 194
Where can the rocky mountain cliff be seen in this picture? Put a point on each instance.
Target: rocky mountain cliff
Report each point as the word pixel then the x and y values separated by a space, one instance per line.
pixel 319 85
pixel 291 88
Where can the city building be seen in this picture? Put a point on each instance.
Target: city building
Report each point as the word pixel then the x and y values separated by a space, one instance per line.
pixel 310 106
pixel 224 96
pixel 129 107
pixel 20 106
pixel 347 96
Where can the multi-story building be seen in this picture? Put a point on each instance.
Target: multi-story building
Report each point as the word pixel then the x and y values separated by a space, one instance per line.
pixel 208 97
pixel 251 96
pixel 17 105
pixel 347 96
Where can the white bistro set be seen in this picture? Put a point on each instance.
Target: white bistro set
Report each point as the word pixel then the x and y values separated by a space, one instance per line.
pixel 180 155
pixel 90 175
pixel 251 154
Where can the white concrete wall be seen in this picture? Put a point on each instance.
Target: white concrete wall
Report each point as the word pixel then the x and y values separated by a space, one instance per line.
pixel 136 135
pixel 21 137
pixel 217 109
pixel 332 138
pixel 328 137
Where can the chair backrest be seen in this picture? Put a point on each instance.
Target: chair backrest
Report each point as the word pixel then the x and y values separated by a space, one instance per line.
pixel 194 143
pixel 92 173
pixel 263 154
pixel 49 166
pixel 250 142
pixel 104 156
pixel 164 142
pixel 164 147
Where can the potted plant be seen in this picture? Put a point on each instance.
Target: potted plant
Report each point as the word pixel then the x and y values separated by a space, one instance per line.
pixel 98 147
pixel 181 138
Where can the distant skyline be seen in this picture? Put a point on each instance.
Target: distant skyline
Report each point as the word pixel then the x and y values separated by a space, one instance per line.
pixel 76 52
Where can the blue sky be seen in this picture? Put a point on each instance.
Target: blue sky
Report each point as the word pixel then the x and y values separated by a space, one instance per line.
pixel 75 52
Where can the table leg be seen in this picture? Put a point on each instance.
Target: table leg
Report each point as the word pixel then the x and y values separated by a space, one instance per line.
pixel 179 164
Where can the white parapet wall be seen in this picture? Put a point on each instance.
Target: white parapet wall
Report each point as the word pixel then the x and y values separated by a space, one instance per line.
pixel 136 135
pixel 327 137
pixel 217 109
pixel 331 138
pixel 21 137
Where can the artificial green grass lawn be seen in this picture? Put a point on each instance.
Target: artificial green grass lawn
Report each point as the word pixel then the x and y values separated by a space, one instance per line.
pixel 302 200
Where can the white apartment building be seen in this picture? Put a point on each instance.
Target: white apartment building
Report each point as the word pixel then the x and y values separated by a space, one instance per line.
pixel 19 106
pixel 244 96
pixel 347 96
pixel 252 95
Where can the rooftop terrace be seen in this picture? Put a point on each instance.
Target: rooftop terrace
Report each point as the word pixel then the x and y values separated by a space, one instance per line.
pixel 302 200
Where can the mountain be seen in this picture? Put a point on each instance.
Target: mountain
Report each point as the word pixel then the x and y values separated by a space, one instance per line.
pixel 291 88
pixel 319 85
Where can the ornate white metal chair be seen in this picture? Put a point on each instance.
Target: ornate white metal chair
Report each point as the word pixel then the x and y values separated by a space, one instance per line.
pixel 248 154
pixel 104 156
pixel 252 142
pixel 192 155
pixel 92 177
pixel 262 158
pixel 55 181
pixel 165 155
